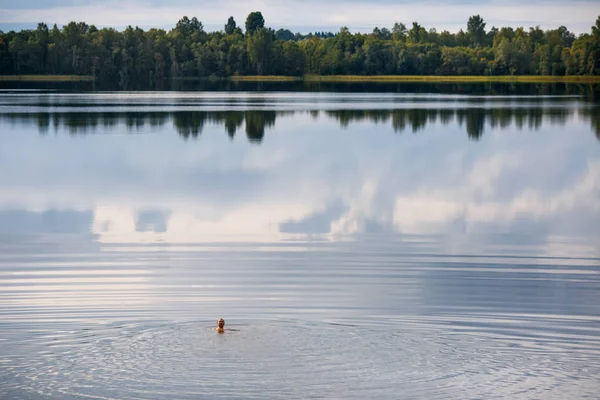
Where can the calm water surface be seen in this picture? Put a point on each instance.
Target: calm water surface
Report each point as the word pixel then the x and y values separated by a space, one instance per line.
pixel 363 245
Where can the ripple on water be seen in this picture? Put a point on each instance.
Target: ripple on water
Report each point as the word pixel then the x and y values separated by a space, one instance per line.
pixel 293 359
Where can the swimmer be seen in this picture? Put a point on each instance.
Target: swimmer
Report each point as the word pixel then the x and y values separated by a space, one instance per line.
pixel 220 326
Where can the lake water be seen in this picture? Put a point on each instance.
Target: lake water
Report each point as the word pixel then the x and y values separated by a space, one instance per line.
pixel 407 244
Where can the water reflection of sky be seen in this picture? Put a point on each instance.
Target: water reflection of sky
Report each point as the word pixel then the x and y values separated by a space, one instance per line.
pixel 178 203
pixel 534 172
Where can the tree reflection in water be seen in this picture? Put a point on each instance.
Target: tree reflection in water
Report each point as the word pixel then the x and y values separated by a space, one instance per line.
pixel 189 124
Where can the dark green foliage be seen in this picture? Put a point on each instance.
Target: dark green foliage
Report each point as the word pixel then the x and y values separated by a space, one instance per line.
pixel 284 34
pixel 134 58
pixel 417 33
pixel 476 30
pixel 596 28
pixel 230 26
pixel 254 21
pixel 399 31
pixel 260 50
pixel 188 27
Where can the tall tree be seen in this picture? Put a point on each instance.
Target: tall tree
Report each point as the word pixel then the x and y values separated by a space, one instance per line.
pixel 416 33
pixel 188 26
pixel 596 28
pixel 230 26
pixel 567 38
pixel 476 30
pixel 254 21
pixel 260 49
pixel 399 31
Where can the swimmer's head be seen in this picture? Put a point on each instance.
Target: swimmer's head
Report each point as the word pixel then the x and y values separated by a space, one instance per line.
pixel 221 323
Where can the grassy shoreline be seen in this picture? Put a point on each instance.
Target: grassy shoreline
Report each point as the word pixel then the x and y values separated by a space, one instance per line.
pixel 419 79
pixel 265 78
pixel 47 78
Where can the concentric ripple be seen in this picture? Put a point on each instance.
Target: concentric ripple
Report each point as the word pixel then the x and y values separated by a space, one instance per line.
pixel 295 359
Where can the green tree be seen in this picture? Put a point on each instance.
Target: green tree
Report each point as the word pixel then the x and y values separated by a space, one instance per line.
pixel 417 33
pixel 596 28
pixel 476 30
pixel 399 31
pixel 230 26
pixel 260 49
pixel 567 38
pixel 134 58
pixel 284 34
pixel 594 52
pixel 188 27
pixel 292 59
pixel 254 21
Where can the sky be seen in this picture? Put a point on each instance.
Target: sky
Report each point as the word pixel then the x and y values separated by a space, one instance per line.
pixel 303 15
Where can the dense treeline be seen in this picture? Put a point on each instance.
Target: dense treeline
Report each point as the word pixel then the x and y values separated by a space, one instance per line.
pixel 190 124
pixel 135 57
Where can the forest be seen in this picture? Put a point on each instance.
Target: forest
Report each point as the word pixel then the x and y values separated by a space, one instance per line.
pixel 137 58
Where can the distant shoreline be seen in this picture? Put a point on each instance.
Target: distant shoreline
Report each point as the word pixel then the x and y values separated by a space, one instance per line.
pixel 341 78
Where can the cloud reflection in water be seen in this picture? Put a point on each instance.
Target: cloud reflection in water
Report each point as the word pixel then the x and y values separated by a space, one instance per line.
pixel 529 170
